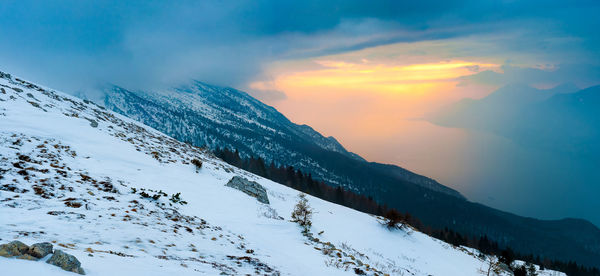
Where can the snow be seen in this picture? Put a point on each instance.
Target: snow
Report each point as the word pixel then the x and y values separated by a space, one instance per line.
pixel 220 230
pixel 225 118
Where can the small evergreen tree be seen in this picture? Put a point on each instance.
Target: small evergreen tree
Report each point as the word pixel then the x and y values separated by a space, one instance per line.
pixel 492 266
pixel 507 256
pixel 520 271
pixel 302 213
pixel 197 163
pixel 531 271
pixel 393 219
pixel 176 198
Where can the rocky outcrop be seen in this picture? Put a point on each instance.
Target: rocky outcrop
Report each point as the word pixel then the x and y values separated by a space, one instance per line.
pixel 13 249
pixel 40 250
pixel 251 188
pixel 27 257
pixel 66 262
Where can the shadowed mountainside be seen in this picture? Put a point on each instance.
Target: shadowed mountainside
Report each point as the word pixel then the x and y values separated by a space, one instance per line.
pixel 216 117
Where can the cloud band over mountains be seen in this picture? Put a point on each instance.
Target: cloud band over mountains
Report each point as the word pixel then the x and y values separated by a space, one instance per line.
pixel 77 44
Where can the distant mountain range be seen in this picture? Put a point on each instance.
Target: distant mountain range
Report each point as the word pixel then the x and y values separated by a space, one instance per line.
pixel 568 122
pixel 497 109
pixel 211 116
pixel 563 119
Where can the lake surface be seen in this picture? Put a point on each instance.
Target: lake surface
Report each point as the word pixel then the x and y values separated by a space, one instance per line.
pixel 496 171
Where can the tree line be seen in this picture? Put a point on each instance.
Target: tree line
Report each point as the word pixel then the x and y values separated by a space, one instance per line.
pixel 304 182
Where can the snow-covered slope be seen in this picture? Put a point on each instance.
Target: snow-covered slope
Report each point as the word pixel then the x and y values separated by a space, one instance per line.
pixel 68 171
pixel 213 116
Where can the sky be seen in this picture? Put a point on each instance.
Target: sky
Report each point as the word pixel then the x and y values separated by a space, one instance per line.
pixel 366 70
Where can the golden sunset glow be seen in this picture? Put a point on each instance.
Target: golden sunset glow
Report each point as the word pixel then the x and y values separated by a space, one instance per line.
pixel 375 77
pixel 372 94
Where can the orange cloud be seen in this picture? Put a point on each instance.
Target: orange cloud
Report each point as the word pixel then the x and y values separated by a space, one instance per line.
pixel 362 99
pixel 374 77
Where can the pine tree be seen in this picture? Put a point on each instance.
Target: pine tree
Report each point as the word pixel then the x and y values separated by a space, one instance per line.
pixel 393 219
pixel 520 271
pixel 508 256
pixel 531 271
pixel 302 213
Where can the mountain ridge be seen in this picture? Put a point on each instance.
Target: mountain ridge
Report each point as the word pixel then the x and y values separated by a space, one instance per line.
pixel 293 145
pixel 387 184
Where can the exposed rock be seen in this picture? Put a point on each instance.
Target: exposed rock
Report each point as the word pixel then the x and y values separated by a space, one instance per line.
pixel 359 271
pixel 5 75
pixel 66 261
pixel 251 188
pixel 93 123
pixel 12 249
pixel 40 250
pixel 27 257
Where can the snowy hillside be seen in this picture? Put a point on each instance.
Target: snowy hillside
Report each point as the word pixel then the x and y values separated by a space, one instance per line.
pixel 213 116
pixel 72 173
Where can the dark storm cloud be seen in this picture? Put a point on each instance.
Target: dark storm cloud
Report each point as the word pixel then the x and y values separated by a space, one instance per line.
pixel 73 45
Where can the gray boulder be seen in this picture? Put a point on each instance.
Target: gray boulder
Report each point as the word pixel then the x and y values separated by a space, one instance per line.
pixel 12 249
pixel 40 250
pixel 251 188
pixel 27 257
pixel 66 262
